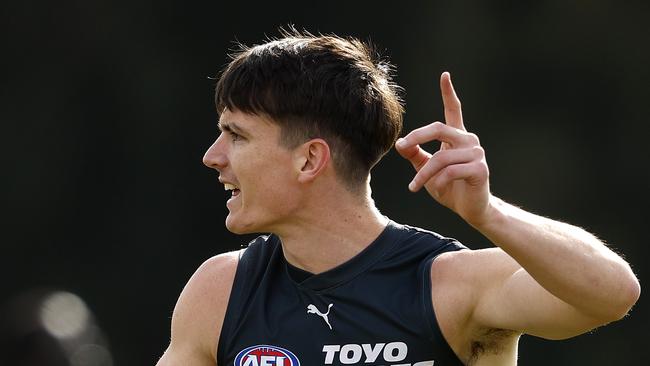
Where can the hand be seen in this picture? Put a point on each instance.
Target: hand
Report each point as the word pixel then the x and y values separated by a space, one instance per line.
pixel 456 175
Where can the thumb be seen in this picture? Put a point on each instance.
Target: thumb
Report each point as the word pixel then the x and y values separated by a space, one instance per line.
pixel 413 153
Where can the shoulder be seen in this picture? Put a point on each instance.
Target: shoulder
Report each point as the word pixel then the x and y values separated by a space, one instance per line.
pixel 415 238
pixel 199 312
pixel 211 280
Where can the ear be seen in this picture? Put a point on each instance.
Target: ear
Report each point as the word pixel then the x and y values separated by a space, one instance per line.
pixel 311 159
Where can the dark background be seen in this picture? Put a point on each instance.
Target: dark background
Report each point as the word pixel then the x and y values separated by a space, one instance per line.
pixel 106 110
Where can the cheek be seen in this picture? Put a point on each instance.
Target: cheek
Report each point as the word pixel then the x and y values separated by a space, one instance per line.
pixel 277 185
pixel 266 175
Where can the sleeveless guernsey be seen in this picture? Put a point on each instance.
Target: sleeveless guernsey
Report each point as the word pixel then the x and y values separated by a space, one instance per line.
pixel 373 310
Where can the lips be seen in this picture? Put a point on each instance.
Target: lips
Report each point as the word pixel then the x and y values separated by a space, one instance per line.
pixel 230 187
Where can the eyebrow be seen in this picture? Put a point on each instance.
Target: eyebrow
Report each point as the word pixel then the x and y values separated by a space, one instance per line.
pixel 231 127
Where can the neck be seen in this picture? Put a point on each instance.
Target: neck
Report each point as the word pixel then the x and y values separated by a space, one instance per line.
pixel 330 230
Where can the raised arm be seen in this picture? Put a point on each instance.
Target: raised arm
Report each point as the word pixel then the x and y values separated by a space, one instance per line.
pixel 548 278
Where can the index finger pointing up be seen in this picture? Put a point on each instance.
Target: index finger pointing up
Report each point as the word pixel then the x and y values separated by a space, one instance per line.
pixel 453 112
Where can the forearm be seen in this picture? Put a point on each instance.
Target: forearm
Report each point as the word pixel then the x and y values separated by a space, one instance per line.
pixel 567 261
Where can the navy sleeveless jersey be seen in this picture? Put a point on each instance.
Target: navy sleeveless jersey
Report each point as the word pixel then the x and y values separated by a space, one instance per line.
pixel 373 310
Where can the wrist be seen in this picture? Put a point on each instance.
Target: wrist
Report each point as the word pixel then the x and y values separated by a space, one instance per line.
pixel 494 217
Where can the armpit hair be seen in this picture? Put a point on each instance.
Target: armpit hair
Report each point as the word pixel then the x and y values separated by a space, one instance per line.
pixel 491 342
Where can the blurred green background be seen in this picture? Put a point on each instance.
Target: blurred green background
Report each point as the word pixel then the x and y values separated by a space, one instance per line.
pixel 106 108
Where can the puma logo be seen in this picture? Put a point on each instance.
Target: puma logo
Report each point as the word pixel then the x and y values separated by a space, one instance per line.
pixel 311 309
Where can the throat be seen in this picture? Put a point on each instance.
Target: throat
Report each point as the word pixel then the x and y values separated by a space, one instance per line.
pixel 323 248
pixel 326 233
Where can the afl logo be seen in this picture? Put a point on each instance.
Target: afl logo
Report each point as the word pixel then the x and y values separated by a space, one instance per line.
pixel 265 355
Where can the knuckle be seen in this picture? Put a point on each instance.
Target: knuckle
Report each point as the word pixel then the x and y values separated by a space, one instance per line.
pixel 448 174
pixel 473 138
pixel 437 126
pixel 478 152
pixel 480 170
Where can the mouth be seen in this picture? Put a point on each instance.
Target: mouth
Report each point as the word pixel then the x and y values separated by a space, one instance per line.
pixel 231 187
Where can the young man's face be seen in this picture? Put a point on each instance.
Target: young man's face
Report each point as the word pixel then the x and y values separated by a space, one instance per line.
pixel 257 169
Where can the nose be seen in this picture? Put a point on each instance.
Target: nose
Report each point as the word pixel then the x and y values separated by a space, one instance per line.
pixel 215 157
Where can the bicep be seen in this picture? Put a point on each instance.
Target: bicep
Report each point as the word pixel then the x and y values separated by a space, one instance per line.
pixel 510 298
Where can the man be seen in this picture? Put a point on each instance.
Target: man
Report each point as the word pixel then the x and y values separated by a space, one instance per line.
pixel 303 119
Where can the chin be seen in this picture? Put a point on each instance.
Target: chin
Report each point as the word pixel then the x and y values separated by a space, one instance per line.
pixel 236 226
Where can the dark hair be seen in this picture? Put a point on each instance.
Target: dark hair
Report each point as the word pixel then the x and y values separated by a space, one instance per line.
pixel 322 86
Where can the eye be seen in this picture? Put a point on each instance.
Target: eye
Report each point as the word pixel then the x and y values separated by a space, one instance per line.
pixel 234 136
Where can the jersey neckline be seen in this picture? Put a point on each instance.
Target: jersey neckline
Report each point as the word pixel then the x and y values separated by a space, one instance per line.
pixel 349 269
